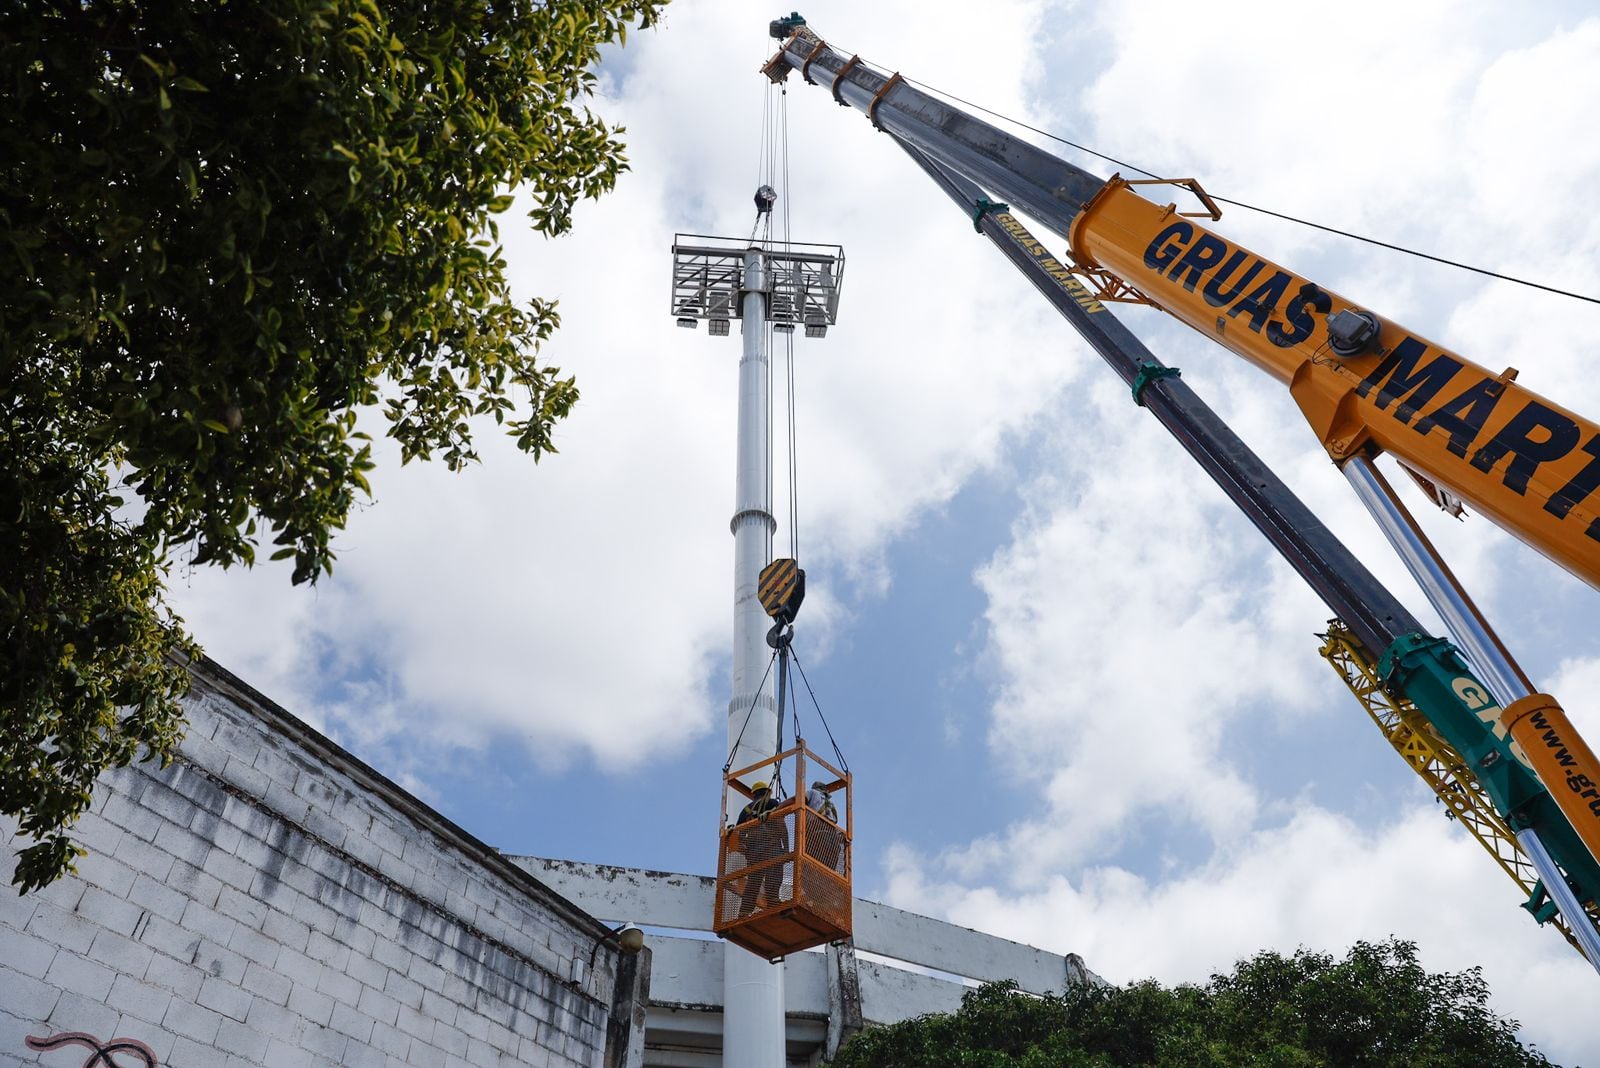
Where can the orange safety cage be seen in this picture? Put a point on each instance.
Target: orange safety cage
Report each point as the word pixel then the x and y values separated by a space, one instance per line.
pixel 783 882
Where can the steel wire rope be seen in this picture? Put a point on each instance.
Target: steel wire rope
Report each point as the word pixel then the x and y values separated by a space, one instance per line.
pixel 728 764
pixel 766 180
pixel 794 459
pixel 761 142
pixel 763 167
pixel 799 738
pixel 766 341
pixel 844 765
pixel 794 703
pixel 1264 211
pixel 793 436
pixel 765 176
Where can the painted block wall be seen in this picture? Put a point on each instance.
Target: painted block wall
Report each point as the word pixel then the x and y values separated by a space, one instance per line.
pixel 268 900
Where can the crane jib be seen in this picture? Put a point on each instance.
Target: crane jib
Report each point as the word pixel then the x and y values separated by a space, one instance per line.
pixel 1365 384
pixel 1412 372
pixel 1529 464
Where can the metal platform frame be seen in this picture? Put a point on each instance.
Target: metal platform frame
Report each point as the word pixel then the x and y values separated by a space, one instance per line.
pixel 707 274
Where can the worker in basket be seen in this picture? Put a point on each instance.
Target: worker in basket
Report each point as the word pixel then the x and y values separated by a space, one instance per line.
pixel 762 839
pixel 822 838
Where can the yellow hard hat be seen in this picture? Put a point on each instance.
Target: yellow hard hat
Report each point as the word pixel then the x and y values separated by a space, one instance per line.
pixel 757 787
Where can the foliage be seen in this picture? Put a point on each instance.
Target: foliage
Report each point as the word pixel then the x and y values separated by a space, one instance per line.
pixel 1377 1007
pixel 225 228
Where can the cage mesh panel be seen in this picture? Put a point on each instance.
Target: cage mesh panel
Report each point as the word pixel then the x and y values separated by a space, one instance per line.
pixel 825 894
pixel 825 844
pixel 824 881
pixel 757 870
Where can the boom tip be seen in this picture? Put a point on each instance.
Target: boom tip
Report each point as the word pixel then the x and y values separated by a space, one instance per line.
pixel 781 29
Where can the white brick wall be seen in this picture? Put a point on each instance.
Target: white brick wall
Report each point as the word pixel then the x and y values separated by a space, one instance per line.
pixel 267 900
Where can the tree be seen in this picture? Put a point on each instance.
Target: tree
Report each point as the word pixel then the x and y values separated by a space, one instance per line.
pixel 1377 1007
pixel 225 229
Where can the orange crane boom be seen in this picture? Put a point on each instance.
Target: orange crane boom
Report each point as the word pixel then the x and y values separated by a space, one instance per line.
pixel 1364 382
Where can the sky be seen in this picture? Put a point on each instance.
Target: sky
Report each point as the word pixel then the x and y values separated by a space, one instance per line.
pixel 1081 698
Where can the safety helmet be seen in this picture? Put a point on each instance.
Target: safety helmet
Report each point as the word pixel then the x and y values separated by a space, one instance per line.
pixel 757 787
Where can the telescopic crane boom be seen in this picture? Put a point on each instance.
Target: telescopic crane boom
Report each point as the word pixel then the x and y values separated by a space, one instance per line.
pixel 1362 382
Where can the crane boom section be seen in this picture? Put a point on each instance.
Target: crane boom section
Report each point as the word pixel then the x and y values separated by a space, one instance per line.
pixel 1528 464
pixel 1345 585
pixel 1364 383
pixel 1426 672
pixel 1524 461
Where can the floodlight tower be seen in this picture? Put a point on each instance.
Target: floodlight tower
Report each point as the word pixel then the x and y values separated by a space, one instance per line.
pixel 770 287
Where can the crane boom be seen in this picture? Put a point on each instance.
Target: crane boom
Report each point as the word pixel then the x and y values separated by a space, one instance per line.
pixel 1426 671
pixel 1343 583
pixel 1527 463
pixel 1362 382
pixel 1365 383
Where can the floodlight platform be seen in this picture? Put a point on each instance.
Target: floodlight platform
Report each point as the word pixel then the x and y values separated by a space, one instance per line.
pixel 708 276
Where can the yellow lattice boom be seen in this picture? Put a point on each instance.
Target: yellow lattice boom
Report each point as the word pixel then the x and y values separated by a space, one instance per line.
pixel 1434 760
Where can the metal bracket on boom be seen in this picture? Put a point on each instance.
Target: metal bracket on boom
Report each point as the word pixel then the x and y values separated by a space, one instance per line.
pixel 805 68
pixel 877 98
pixel 1212 212
pixel 838 80
pixel 777 68
pixel 1103 285
pixel 984 207
pixel 1148 373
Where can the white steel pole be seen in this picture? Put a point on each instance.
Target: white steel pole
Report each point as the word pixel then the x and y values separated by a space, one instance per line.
pixel 753 1022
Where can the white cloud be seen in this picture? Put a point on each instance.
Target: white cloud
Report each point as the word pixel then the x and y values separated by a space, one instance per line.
pixel 578 605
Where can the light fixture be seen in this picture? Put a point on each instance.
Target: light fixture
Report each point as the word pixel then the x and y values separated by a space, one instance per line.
pixel 688 323
pixel 718 328
pixel 628 937
pixel 631 938
pixel 816 330
pixel 783 328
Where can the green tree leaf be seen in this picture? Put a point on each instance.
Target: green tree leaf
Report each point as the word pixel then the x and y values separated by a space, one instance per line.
pixel 1376 1008
pixel 223 233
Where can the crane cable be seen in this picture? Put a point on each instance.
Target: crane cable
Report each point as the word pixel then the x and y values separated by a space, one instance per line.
pixel 775 155
pixel 766 165
pixel 727 765
pixel 793 438
pixel 774 174
pixel 844 765
pixel 1263 211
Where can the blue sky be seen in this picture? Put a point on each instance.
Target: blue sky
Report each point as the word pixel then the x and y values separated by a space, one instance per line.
pixel 1082 700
